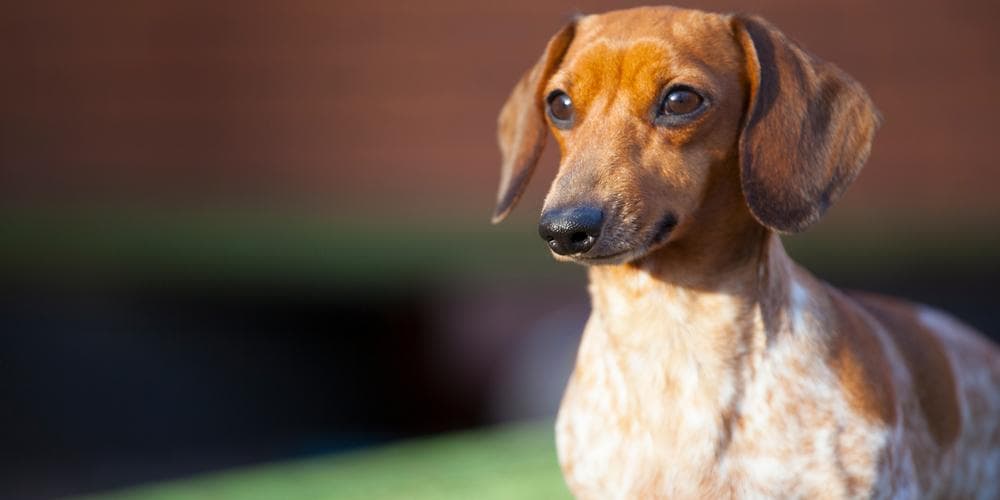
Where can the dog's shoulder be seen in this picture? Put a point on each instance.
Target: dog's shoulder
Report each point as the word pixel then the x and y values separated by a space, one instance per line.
pixel 926 359
pixel 954 372
pixel 928 337
pixel 941 356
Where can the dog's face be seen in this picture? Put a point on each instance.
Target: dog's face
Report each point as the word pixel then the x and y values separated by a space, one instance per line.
pixel 639 125
pixel 654 109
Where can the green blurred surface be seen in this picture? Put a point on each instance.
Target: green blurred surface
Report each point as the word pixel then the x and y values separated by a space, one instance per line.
pixel 516 461
pixel 374 250
pixel 389 249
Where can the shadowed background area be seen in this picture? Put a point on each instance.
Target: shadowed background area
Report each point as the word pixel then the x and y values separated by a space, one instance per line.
pixel 239 232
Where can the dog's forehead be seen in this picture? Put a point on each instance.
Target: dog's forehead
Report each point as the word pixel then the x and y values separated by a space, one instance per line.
pixel 638 50
pixel 692 32
pixel 664 22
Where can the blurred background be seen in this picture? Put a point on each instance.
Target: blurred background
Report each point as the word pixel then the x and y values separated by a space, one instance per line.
pixel 239 232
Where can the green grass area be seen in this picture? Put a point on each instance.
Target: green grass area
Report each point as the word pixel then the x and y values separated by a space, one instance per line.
pixel 503 463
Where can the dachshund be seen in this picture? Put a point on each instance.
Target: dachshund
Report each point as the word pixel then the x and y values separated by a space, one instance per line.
pixel 712 366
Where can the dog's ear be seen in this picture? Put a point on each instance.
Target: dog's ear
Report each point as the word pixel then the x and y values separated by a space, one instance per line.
pixel 807 132
pixel 521 127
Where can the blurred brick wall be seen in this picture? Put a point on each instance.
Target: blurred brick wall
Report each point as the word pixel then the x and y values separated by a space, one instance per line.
pixel 176 99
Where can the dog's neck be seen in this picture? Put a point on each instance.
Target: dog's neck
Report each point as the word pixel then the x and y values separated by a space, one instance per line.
pixel 698 317
pixel 746 267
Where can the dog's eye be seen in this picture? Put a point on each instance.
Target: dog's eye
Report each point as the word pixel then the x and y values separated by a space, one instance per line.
pixel 560 108
pixel 681 101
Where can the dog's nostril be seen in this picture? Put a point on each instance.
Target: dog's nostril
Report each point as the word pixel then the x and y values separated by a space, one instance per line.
pixel 578 237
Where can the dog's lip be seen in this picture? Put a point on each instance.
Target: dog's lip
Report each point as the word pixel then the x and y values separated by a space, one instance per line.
pixel 664 227
pixel 602 257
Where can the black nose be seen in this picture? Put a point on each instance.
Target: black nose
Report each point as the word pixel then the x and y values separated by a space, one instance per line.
pixel 571 230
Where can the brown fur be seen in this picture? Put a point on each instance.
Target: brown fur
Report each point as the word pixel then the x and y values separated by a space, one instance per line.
pixel 712 366
pixel 859 361
pixel 807 121
pixel 927 359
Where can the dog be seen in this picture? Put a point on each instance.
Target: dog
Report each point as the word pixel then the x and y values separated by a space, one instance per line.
pixel 712 366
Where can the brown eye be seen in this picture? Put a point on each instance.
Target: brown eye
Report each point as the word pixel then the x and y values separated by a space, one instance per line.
pixel 681 102
pixel 560 109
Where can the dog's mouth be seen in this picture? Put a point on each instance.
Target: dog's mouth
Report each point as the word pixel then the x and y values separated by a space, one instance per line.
pixel 663 229
pixel 601 259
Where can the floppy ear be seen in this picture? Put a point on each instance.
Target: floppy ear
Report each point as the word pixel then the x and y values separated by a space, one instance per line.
pixel 807 132
pixel 521 127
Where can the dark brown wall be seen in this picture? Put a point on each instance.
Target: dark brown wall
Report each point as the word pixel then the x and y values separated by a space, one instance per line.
pixel 297 98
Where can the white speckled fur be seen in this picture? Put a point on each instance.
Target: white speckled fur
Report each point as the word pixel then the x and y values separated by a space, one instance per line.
pixel 645 414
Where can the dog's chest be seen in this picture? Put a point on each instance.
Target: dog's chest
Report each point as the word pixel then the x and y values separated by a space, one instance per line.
pixel 657 414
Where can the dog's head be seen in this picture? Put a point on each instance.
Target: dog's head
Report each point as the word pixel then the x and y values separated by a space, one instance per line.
pixel 657 111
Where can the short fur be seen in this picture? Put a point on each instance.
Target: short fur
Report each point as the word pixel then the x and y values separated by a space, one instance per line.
pixel 712 366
